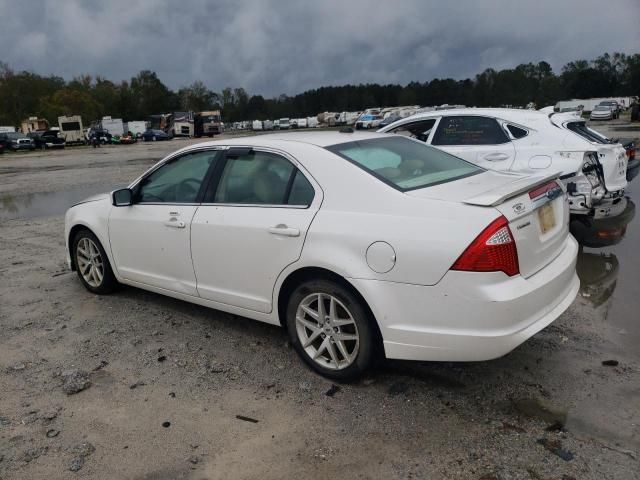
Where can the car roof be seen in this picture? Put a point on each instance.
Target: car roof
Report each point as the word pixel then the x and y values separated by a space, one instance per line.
pixel 512 114
pixel 319 139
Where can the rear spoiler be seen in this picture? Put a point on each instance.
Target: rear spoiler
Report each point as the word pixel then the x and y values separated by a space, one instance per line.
pixel 499 195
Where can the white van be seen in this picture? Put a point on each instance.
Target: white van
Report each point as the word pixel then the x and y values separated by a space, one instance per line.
pixel 256 125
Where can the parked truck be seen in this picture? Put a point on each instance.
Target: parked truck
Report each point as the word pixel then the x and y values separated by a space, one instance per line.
pixel 207 123
pixel 71 129
pixel 181 124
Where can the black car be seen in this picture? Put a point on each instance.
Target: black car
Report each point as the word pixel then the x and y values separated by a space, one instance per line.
pixel 47 139
pixel 153 135
pixel 16 141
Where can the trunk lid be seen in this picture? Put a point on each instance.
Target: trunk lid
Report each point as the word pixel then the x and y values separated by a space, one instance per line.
pixel 534 205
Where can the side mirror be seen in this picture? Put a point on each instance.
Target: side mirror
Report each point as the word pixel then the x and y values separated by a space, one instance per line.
pixel 122 197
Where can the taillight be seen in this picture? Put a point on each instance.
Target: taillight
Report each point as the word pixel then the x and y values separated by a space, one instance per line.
pixel 542 190
pixel 631 153
pixel 494 250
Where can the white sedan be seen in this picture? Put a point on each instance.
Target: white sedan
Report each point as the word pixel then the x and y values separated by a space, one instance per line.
pixel 357 243
pixel 529 142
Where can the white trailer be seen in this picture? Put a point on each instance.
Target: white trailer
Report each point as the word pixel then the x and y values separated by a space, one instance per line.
pixel 112 125
pixel 7 129
pixel 312 122
pixel 71 129
pixel 256 125
pixel 136 127
pixel 302 122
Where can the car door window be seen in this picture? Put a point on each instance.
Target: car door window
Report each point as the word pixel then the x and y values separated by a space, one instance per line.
pixel 419 130
pixel 177 181
pixel 469 130
pixel 257 178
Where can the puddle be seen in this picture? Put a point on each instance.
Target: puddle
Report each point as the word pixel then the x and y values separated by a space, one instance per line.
pixel 610 283
pixel 35 205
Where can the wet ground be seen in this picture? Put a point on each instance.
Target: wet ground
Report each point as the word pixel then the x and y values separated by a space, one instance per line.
pixel 180 391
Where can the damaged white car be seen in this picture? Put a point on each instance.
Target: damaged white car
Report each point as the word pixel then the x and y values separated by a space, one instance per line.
pixel 528 141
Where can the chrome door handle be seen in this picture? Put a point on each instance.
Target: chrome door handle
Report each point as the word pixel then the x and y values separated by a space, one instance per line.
pixel 174 223
pixel 496 156
pixel 285 231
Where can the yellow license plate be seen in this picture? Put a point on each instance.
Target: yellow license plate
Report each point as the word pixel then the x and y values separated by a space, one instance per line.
pixel 546 218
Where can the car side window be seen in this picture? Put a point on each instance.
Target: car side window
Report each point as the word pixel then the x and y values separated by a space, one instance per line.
pixel 262 178
pixel 302 192
pixel 419 130
pixel 469 130
pixel 517 132
pixel 177 181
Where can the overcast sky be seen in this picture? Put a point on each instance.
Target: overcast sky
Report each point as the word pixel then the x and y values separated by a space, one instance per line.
pixel 280 46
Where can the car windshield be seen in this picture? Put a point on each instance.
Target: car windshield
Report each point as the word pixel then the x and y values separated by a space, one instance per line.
pixel 587 133
pixel 602 107
pixel 15 135
pixel 403 163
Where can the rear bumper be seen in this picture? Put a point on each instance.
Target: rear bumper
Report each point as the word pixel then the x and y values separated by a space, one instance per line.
pixel 606 231
pixel 471 316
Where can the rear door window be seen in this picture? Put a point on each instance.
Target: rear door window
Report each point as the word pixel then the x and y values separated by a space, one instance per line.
pixel 262 178
pixel 469 130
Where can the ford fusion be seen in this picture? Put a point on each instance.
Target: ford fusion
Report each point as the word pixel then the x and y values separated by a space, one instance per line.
pixel 359 244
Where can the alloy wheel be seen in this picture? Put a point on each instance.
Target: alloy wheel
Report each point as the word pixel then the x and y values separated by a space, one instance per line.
pixel 327 331
pixel 89 262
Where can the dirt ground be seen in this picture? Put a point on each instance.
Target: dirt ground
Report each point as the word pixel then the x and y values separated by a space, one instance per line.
pixel 168 379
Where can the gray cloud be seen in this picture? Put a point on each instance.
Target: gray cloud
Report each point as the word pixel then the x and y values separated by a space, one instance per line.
pixel 287 46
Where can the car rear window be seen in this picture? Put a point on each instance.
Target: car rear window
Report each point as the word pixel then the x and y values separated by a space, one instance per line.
pixel 403 163
pixel 585 132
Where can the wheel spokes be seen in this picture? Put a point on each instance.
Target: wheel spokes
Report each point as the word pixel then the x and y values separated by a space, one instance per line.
pixel 327 331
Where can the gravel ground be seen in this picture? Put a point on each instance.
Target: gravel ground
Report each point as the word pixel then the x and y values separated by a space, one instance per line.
pixel 136 385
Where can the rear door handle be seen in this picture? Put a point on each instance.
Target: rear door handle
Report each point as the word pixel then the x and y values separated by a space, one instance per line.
pixel 496 156
pixel 174 223
pixel 285 231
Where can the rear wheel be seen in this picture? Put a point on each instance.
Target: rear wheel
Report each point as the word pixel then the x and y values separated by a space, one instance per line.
pixel 331 330
pixel 92 264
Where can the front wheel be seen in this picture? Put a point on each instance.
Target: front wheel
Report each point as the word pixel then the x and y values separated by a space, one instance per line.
pixel 92 264
pixel 331 330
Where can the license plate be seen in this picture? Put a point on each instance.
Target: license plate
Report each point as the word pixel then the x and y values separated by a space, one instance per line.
pixel 546 218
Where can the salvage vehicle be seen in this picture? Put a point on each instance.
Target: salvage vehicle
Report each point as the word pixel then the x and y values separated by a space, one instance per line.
pixel 368 120
pixel 357 243
pixel 47 139
pixel 579 126
pixel 153 135
pixel 602 112
pixel 16 141
pixel 528 141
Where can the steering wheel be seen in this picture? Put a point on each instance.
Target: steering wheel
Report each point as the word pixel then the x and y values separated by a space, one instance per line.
pixel 188 187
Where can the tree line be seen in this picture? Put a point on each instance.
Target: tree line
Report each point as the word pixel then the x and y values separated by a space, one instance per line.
pixel 24 94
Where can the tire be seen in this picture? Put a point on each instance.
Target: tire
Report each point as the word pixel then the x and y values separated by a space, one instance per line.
pixel 90 244
pixel 358 337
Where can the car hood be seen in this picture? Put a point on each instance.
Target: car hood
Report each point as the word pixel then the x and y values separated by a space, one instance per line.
pixel 93 198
